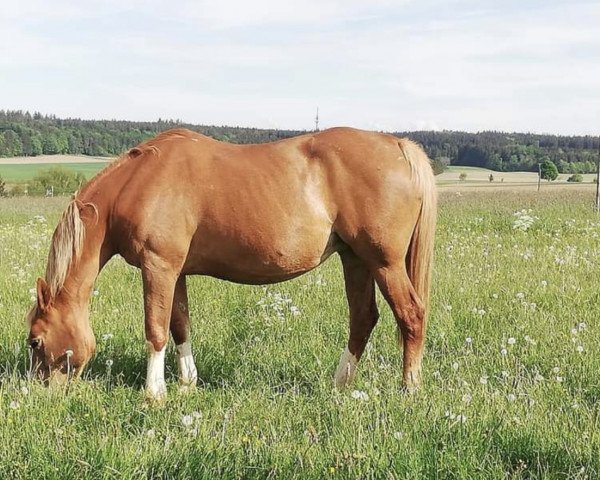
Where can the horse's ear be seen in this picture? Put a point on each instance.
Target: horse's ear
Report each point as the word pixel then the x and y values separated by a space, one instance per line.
pixel 87 212
pixel 44 298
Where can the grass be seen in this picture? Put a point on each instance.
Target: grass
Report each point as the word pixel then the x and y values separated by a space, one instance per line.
pixel 14 173
pixel 508 393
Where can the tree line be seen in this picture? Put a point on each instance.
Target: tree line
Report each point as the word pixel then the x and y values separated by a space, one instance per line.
pixel 26 134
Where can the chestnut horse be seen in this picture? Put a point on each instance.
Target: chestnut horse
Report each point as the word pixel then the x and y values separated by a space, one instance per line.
pixel 183 204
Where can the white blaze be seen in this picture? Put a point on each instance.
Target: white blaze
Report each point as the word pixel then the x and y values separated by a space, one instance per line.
pixel 344 375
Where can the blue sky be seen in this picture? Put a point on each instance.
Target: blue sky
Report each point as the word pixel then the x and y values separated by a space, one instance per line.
pixel 379 64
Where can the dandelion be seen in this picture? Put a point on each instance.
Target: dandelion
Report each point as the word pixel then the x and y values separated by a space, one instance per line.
pixel 495 296
pixel 503 352
pixel 467 398
pixel 574 331
pixel 24 390
pixel 504 374
pixel 455 366
pixel 360 395
pixel 544 283
pixel 14 405
pixel 187 420
pixel 511 341
pixel 109 363
pixel 559 379
pixel 483 379
pixel 96 293
pixel 69 353
pixel 582 326
pixel 448 308
pixel 555 370
pixel 294 310
pixel 520 295
pixel 511 397
pixel 151 433
pixel 579 348
pixel 468 340
pixel 538 377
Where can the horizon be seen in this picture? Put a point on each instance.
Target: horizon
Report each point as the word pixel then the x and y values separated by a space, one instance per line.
pixel 461 65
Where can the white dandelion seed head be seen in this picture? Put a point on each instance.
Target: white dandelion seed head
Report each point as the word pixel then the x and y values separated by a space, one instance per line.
pixel 187 420
pixel 511 341
pixel 511 397
pixel 360 395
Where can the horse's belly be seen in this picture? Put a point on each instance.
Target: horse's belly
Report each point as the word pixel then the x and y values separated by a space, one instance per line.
pixel 259 261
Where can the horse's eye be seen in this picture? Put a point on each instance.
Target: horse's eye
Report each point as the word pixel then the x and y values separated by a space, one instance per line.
pixel 35 343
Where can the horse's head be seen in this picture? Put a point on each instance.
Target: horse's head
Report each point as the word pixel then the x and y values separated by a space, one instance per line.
pixel 60 336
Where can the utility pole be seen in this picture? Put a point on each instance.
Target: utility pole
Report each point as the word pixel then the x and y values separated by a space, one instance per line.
pixel 598 179
pixel 317 121
pixel 539 176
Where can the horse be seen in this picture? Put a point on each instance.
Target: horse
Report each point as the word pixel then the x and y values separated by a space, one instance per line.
pixel 185 204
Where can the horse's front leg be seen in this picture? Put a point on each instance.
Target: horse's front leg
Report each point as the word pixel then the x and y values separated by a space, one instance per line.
pixel 159 279
pixel 180 330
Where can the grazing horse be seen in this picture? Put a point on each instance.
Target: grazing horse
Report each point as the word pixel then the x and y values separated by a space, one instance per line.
pixel 185 204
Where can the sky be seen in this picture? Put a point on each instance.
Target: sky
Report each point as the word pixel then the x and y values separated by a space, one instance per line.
pixel 473 65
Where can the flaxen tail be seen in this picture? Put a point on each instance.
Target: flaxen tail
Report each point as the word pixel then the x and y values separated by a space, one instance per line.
pixel 419 259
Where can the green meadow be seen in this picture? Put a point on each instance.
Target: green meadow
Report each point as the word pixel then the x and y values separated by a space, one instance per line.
pixel 511 373
pixel 22 173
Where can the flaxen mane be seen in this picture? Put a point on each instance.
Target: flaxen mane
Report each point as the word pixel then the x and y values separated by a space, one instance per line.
pixel 65 248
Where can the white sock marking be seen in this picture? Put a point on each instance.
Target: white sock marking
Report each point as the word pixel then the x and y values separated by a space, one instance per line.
pixel 344 375
pixel 156 387
pixel 188 375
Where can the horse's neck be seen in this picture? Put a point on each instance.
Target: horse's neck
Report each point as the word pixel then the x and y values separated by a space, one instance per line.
pixel 82 273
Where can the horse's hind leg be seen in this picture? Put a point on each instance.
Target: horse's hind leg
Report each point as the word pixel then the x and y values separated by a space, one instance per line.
pixel 180 330
pixel 360 292
pixel 408 309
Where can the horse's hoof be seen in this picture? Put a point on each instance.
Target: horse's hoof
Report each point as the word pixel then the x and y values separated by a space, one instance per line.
pixel 158 393
pixel 186 388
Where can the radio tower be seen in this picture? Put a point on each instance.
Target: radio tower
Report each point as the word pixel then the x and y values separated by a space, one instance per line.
pixel 317 121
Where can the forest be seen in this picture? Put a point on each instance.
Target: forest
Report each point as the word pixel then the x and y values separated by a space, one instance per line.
pixel 30 134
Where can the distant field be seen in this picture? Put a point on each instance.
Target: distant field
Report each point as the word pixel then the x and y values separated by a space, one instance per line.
pixel 22 173
pixel 476 175
pixel 23 169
